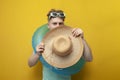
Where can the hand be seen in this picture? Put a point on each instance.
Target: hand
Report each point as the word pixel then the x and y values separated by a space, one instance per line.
pixel 77 32
pixel 40 48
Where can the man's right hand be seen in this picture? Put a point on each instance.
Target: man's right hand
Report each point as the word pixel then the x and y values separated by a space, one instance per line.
pixel 40 48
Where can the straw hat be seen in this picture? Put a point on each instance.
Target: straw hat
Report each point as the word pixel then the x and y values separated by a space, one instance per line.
pixel 61 48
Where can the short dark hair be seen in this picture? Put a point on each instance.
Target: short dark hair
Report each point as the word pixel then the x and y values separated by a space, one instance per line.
pixel 54 10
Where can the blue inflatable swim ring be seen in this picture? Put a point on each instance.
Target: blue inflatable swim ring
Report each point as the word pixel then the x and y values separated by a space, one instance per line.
pixel 37 38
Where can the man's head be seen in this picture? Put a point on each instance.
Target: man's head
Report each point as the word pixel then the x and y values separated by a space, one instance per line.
pixel 55 18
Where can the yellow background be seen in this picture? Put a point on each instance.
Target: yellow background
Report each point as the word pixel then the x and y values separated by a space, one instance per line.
pixel 100 20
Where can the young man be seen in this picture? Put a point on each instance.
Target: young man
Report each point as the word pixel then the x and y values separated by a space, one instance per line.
pixel 55 19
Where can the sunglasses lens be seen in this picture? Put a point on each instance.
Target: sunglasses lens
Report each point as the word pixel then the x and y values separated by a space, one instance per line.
pixel 54 14
pixel 61 14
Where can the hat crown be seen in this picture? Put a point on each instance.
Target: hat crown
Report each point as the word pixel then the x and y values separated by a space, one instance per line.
pixel 62 45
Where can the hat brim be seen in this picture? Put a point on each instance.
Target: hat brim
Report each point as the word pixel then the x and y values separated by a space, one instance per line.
pixel 59 61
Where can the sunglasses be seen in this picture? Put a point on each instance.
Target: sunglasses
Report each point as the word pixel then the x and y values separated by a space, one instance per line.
pixel 56 14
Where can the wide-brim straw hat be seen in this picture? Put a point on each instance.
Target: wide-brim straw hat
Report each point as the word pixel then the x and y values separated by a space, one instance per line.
pixel 61 48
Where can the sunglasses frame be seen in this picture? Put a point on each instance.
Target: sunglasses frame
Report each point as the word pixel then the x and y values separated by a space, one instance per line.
pixel 58 14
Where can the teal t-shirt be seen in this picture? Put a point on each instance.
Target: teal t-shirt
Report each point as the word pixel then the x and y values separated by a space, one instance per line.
pixel 48 74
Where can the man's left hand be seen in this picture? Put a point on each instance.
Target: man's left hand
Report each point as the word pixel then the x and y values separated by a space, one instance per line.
pixel 76 32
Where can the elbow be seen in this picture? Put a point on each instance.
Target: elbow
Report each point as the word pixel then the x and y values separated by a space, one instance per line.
pixel 88 57
pixel 30 63
pixel 89 60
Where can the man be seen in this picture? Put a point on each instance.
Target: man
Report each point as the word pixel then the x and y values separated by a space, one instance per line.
pixel 55 19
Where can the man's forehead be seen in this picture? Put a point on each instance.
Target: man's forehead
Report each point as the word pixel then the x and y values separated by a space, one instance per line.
pixel 57 19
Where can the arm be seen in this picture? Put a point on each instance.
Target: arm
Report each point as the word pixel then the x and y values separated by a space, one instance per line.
pixel 34 58
pixel 87 53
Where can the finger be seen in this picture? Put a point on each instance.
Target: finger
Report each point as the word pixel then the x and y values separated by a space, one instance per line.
pixel 41 46
pixel 74 30
pixel 78 34
pixel 79 31
pixel 38 47
pixel 74 33
pixel 40 50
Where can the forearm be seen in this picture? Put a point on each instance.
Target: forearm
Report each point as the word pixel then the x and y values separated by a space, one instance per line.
pixel 33 60
pixel 87 53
